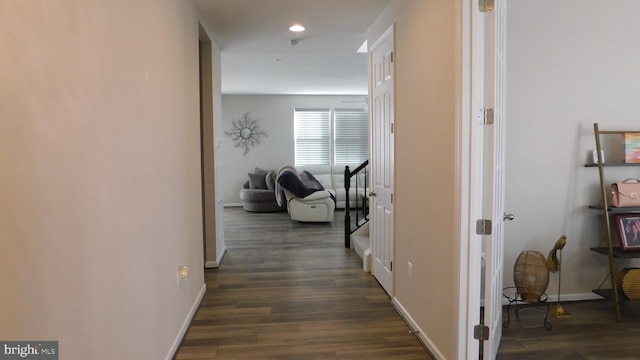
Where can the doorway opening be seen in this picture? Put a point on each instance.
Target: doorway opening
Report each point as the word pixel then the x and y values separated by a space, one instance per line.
pixel 207 163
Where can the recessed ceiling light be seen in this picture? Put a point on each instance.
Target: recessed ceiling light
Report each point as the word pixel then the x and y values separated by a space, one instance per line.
pixel 296 28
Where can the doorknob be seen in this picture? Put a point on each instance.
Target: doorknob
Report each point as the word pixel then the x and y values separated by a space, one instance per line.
pixel 373 193
pixel 508 217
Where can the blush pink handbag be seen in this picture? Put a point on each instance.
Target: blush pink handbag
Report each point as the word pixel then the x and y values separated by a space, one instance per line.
pixel 625 193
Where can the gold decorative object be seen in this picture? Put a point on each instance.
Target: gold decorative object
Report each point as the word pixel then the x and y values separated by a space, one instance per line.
pixel 629 281
pixel 553 264
pixel 530 275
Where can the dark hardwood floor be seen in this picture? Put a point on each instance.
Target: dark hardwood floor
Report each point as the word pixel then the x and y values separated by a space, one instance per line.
pixel 591 333
pixel 287 290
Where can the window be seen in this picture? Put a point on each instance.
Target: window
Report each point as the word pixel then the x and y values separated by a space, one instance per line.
pixel 324 137
pixel 312 136
pixel 351 144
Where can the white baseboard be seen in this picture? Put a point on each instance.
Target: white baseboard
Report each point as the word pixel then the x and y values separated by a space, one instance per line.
pixel 563 298
pixel 366 261
pixel 433 350
pixel 215 264
pixel 232 204
pixel 186 323
pixel 574 297
pixel 426 342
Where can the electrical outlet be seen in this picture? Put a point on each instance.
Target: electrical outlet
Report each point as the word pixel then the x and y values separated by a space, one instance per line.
pixel 183 272
pixel 182 275
pixel 410 270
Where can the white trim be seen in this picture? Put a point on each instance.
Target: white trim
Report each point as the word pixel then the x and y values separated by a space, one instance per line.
pixel 384 277
pixel 232 204
pixel 564 298
pixel 462 176
pixel 366 261
pixel 469 174
pixel 381 39
pixel 428 344
pixel 575 297
pixel 185 325
pixel 216 264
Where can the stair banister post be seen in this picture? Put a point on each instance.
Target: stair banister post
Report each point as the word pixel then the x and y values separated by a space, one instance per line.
pixel 347 216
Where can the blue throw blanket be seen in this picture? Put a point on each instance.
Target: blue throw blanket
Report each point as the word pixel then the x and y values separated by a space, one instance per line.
pixel 290 181
pixel 301 185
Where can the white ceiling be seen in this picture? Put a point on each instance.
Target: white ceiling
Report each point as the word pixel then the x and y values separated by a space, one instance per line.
pixel 257 58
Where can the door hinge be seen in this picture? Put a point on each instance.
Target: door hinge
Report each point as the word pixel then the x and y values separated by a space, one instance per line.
pixel 486 5
pixel 483 227
pixel 391 269
pixel 487 116
pixel 392 57
pixel 481 332
pixel 392 198
pixel 392 128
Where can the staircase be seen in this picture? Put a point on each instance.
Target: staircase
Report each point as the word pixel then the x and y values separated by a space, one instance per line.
pixel 357 234
pixel 362 246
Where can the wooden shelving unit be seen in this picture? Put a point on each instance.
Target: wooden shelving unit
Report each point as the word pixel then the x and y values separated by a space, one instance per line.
pixel 612 252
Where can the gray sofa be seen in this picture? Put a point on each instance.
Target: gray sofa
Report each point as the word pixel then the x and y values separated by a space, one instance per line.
pixel 258 193
pixel 332 179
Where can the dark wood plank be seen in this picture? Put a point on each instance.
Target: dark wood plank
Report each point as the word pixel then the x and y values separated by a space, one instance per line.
pixel 289 290
pixel 590 333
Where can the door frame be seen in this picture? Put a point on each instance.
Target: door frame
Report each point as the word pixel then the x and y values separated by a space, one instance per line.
pixel 211 226
pixel 389 34
pixel 471 144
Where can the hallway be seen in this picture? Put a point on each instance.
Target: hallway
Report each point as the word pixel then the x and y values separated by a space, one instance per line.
pixel 287 290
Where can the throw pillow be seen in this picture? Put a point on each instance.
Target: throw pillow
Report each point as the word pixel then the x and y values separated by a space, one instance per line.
pixel 310 181
pixel 257 170
pixel 257 181
pixel 270 180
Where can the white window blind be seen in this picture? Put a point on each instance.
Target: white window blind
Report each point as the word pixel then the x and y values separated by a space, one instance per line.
pixel 351 145
pixel 312 131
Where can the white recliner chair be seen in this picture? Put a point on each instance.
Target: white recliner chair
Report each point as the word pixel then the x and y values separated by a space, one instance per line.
pixel 305 202
pixel 317 207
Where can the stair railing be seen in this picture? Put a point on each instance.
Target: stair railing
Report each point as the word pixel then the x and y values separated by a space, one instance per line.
pixel 361 206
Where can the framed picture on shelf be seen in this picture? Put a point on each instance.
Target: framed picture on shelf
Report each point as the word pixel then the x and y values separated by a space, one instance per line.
pixel 628 227
pixel 631 147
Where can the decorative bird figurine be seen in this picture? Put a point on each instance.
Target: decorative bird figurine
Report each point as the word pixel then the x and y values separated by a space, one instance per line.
pixel 553 264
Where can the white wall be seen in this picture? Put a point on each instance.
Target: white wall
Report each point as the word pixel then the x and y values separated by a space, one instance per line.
pixel 100 162
pixel 275 116
pixel 425 166
pixel 570 63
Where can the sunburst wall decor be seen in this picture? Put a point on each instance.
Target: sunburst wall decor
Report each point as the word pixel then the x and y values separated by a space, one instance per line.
pixel 245 133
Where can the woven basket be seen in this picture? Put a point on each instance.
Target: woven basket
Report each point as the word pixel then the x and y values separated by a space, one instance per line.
pixel 530 275
pixel 629 281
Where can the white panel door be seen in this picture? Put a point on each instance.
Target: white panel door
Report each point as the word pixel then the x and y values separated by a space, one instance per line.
pixel 381 204
pixel 495 96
